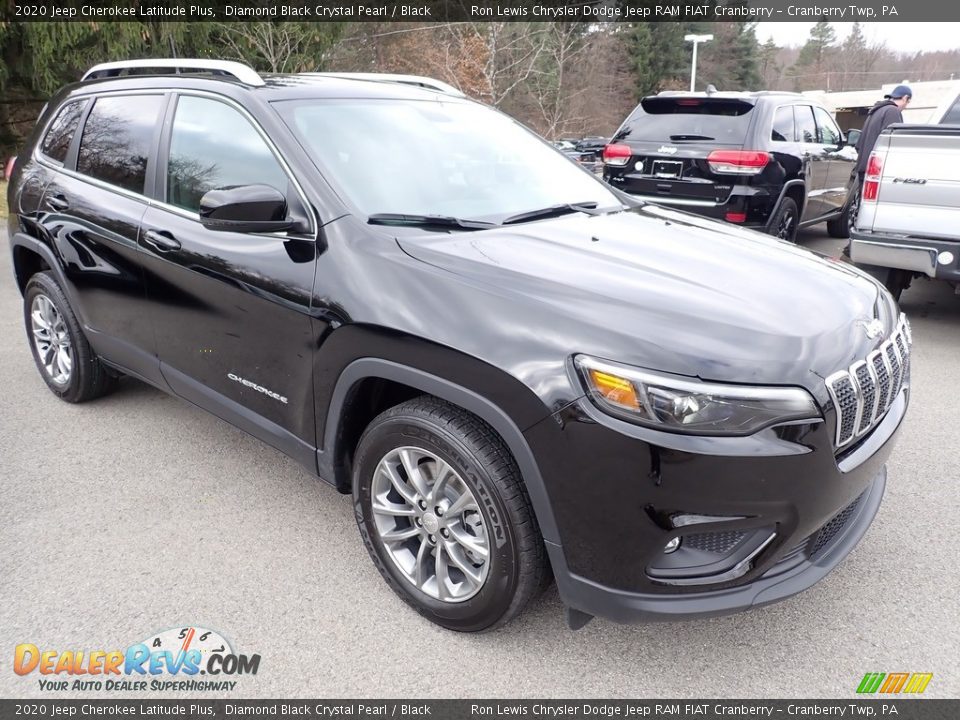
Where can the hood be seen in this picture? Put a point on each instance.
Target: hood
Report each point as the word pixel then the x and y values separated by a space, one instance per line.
pixel 672 292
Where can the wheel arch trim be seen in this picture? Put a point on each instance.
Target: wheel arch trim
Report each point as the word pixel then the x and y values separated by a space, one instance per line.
pixel 783 193
pixel 22 240
pixel 493 415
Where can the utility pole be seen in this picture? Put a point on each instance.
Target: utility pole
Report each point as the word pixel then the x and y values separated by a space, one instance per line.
pixel 696 40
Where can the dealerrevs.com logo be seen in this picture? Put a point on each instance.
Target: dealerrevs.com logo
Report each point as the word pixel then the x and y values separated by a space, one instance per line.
pixel 186 658
pixel 894 683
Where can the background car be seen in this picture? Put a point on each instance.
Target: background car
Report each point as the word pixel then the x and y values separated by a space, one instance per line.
pixel 772 161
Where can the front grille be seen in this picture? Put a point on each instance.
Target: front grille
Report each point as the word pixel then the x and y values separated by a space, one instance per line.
pixel 833 526
pixel 863 393
pixel 718 543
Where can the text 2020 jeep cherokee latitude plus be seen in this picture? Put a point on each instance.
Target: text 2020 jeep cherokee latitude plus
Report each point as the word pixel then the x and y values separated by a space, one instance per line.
pixel 514 368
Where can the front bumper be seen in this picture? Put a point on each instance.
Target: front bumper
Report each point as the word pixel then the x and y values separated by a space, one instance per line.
pixel 789 485
pixel 920 255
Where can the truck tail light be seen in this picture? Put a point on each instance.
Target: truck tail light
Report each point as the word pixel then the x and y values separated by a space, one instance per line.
pixel 737 162
pixel 871 181
pixel 617 154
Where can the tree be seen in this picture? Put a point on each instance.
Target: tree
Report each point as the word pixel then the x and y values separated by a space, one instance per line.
pixel 768 67
pixel 730 60
pixel 281 47
pixel 658 55
pixel 810 69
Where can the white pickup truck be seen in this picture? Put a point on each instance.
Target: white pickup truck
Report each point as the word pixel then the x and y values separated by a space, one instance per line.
pixel 908 223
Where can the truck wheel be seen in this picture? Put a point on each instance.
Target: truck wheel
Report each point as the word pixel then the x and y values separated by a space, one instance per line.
pixel 445 516
pixel 784 222
pixel 63 356
pixel 897 281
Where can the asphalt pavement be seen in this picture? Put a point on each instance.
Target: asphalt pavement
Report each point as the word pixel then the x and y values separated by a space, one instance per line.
pixel 138 513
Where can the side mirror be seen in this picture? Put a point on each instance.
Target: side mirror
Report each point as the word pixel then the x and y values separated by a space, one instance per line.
pixel 245 209
pixel 853 137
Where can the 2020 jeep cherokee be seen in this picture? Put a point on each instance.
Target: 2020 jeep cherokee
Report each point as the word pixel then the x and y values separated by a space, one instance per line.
pixel 515 369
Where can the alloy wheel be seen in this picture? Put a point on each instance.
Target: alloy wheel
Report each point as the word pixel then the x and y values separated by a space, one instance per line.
pixel 51 339
pixel 785 227
pixel 430 524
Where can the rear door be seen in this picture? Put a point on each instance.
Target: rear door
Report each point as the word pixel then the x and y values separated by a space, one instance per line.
pixel 92 210
pixel 231 311
pixel 670 139
pixel 840 161
pixel 817 161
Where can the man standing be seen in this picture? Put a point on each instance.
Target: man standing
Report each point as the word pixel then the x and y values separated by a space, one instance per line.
pixel 884 113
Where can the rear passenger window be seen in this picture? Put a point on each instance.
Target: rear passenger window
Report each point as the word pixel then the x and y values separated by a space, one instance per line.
pixel 56 144
pixel 806 126
pixel 213 146
pixel 117 138
pixel 953 114
pixel 783 125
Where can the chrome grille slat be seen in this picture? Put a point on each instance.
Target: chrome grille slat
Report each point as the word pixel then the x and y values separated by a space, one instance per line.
pixel 864 392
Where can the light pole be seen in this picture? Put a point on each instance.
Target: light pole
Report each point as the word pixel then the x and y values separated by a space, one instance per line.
pixel 696 40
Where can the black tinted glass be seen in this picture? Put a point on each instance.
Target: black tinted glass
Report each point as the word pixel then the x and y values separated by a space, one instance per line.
pixel 213 146
pixel 827 131
pixel 57 142
pixel 806 126
pixel 953 115
pixel 783 125
pixel 116 139
pixel 680 119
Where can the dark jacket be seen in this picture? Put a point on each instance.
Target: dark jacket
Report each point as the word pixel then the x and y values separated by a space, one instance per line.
pixel 880 115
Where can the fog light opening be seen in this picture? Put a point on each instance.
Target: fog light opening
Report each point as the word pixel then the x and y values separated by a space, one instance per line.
pixel 945 258
pixel 671 546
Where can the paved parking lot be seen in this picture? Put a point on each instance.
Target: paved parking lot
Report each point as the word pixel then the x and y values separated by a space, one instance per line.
pixel 138 513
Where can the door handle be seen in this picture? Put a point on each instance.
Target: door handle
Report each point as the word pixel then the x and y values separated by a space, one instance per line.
pixel 161 240
pixel 57 202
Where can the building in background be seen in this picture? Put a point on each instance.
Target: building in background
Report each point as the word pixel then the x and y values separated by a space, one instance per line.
pixel 930 102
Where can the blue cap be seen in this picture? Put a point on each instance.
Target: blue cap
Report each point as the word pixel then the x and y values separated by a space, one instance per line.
pixel 899 91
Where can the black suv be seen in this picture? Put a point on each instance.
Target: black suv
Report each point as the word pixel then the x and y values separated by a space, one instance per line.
pixel 771 161
pixel 515 369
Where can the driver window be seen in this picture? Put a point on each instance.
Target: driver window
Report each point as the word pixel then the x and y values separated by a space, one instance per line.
pixel 213 146
pixel 827 131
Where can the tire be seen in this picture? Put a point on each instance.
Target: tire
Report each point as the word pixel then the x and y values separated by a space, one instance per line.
pixel 481 478
pixel 893 279
pixel 60 350
pixel 841 225
pixel 897 281
pixel 783 224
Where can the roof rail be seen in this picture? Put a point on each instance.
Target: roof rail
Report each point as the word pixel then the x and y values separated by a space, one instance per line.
pixel 417 80
pixel 244 73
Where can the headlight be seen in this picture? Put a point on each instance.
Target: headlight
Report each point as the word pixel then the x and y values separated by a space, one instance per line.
pixel 690 406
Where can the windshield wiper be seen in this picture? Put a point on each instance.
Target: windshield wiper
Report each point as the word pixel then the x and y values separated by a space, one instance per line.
pixel 554 210
pixel 428 221
pixel 691 137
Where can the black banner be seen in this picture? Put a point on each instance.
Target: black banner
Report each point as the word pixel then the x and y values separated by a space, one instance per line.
pixel 895 707
pixel 483 10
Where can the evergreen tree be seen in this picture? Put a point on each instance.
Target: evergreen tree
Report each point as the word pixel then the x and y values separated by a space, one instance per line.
pixel 810 70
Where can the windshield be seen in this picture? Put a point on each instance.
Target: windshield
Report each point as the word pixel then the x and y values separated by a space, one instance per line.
pixel 424 157
pixel 679 119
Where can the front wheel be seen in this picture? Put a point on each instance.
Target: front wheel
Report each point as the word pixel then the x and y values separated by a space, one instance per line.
pixel 444 514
